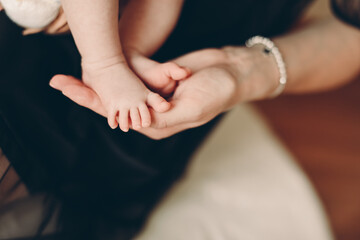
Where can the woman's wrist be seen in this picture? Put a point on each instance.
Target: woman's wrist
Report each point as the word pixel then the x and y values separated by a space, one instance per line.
pixel 269 48
pixel 103 62
pixel 256 73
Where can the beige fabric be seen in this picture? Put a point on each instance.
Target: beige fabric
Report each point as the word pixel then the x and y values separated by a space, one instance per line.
pixel 242 184
pixel 4 164
pixel 21 218
pixel 11 187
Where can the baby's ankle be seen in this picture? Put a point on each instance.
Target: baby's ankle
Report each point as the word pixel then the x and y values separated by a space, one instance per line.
pixel 93 71
pixel 102 62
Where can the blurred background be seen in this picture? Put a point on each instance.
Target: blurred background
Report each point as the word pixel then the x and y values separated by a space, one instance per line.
pixel 323 132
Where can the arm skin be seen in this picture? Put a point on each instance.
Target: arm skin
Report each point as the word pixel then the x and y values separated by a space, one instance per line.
pixel 319 56
pixel 146 24
pixel 322 56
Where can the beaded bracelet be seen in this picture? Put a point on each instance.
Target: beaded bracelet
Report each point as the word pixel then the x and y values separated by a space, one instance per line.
pixel 271 48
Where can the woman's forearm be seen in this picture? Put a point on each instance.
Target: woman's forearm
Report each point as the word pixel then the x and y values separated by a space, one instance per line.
pixel 320 56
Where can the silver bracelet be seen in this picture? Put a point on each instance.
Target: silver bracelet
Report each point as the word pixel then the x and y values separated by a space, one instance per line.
pixel 271 48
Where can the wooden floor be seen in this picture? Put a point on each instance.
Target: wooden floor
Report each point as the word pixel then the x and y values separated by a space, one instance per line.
pixel 323 132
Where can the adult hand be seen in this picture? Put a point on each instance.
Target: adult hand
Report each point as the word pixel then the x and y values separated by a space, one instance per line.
pixel 58 26
pixel 221 79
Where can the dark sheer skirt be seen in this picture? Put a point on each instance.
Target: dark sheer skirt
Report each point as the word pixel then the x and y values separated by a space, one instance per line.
pixel 107 181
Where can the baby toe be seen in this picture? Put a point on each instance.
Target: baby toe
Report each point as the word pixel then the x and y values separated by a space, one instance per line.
pixel 124 120
pixel 158 103
pixel 145 115
pixel 135 118
pixel 112 116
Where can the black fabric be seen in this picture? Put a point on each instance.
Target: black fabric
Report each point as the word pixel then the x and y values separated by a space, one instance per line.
pixel 107 181
pixel 347 10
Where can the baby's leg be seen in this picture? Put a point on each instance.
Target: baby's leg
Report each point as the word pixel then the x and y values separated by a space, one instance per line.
pixel 144 27
pixel 94 25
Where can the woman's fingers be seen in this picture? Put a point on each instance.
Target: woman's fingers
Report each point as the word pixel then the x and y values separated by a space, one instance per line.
pixel 30 31
pixel 59 25
pixel 60 81
pixel 178 115
pixel 201 59
pixel 64 29
pixel 158 134
pixel 86 97
pixel 79 93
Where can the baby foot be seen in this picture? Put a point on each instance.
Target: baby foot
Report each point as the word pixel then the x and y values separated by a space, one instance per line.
pixel 160 77
pixel 124 96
